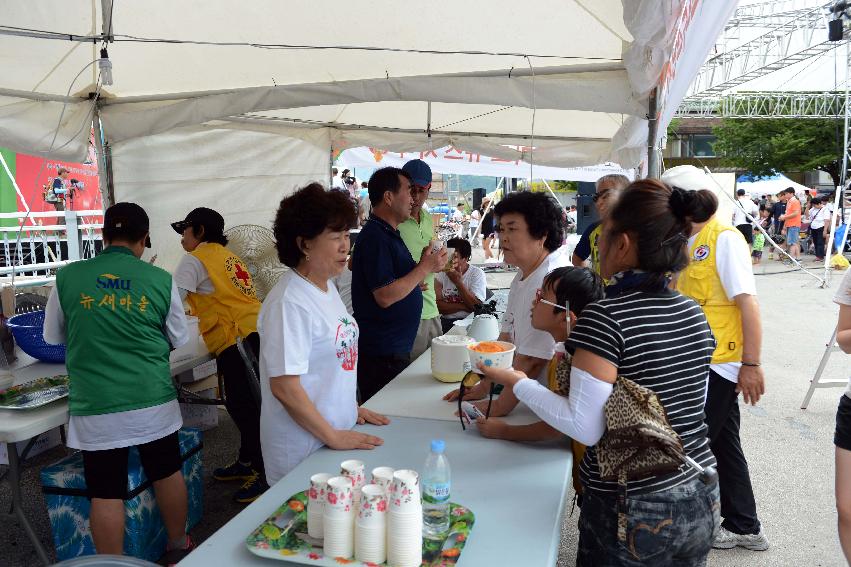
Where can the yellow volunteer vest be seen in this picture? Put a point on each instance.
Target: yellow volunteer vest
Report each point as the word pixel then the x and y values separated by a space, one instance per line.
pixel 700 281
pixel 231 310
pixel 594 241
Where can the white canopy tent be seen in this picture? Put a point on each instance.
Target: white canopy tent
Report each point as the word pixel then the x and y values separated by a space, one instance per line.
pixel 771 185
pixel 234 104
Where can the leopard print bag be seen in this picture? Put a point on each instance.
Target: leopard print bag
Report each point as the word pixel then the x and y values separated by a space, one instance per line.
pixel 638 442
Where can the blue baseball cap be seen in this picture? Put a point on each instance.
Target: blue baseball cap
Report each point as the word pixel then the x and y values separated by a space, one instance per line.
pixel 419 171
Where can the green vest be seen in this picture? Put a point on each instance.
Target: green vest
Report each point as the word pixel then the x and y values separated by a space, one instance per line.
pixel 115 309
pixel 416 236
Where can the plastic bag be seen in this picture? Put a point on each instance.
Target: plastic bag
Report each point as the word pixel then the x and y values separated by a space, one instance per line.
pixel 839 262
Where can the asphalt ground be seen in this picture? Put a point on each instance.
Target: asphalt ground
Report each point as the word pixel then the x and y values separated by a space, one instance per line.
pixel 790 451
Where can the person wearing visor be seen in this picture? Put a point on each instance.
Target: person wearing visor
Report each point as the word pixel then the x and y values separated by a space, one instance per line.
pixel 119 317
pixel 220 292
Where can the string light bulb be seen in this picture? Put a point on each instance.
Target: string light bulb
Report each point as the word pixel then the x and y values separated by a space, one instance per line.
pixel 105 66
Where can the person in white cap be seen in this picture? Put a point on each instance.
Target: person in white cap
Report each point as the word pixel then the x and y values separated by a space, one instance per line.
pixel 720 278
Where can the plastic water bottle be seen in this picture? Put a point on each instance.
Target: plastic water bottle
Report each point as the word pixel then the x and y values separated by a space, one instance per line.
pixel 436 487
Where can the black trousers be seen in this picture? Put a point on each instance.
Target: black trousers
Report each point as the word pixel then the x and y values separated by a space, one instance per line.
pixel 241 404
pixel 747 232
pixel 375 372
pixel 738 505
pixel 818 241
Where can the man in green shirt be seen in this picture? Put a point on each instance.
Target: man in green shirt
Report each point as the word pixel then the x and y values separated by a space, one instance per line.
pixel 119 317
pixel 417 232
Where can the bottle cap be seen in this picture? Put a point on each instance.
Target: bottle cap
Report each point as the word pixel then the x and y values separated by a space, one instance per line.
pixel 437 445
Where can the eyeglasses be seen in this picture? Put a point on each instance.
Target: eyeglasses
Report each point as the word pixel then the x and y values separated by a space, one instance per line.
pixel 598 196
pixel 539 298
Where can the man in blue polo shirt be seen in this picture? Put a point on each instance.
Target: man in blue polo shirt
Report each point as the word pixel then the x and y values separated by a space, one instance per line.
pixel 386 294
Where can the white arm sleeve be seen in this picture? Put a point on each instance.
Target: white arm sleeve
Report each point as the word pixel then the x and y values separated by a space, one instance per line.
pixel 54 320
pixel 175 322
pixel 579 416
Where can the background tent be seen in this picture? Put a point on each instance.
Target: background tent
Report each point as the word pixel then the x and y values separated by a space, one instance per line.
pixel 233 104
pixel 453 160
pixel 771 185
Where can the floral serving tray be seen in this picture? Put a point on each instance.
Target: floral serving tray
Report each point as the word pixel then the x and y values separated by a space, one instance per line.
pixel 34 394
pixel 284 536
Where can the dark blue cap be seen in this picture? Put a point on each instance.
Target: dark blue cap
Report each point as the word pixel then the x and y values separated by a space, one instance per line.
pixel 419 171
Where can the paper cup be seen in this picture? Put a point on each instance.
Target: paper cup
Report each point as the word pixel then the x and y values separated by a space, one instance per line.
pixel 404 552
pixel 403 494
pixel 339 540
pixel 382 476
pixel 373 505
pixel 315 525
pixel 370 544
pixel 339 497
pixel 316 492
pixel 355 470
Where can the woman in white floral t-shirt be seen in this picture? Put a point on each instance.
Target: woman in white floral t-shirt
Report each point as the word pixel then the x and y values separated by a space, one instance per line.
pixel 308 341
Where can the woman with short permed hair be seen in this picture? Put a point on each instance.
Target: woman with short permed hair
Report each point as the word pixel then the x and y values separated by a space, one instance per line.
pixel 308 341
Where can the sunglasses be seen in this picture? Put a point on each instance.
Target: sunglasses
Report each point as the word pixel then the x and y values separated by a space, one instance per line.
pixel 470 380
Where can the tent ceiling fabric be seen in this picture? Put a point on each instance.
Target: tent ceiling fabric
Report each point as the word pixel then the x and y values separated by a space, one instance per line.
pixel 363 70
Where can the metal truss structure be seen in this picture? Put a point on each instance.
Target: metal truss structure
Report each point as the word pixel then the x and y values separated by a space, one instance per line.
pixel 759 39
pixel 829 104
pixel 791 31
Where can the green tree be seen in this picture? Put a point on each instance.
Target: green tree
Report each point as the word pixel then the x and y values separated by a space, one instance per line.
pixel 766 146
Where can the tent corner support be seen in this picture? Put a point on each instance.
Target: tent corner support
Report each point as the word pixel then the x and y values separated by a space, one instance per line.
pixel 652 127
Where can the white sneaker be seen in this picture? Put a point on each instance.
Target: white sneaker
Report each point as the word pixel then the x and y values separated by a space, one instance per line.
pixel 728 540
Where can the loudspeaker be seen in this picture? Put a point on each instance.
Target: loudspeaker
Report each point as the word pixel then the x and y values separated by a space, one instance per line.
pixel 834 30
pixel 478 195
pixel 586 211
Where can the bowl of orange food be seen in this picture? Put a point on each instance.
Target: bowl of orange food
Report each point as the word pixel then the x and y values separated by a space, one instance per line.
pixel 493 354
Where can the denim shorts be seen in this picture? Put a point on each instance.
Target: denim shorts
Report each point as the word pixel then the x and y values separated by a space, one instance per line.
pixel 674 527
pixel 842 436
pixel 793 235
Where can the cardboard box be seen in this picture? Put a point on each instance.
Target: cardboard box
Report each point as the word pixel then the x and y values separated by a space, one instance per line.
pixel 44 442
pixel 200 416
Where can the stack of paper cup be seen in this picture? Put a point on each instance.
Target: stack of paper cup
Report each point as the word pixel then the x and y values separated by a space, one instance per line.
pixel 404 520
pixel 371 525
pixel 355 470
pixel 382 476
pixel 338 518
pixel 316 504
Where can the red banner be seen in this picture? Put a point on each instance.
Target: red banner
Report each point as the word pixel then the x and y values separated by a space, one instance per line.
pixel 34 177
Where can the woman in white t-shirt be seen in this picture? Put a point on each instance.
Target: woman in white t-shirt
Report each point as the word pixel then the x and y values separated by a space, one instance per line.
pixel 308 341
pixel 531 229
pixel 842 437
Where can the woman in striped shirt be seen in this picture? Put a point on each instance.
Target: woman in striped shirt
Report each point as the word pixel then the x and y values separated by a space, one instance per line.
pixel 660 339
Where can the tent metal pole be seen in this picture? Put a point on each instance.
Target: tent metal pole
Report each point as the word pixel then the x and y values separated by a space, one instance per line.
pixel 106 16
pixel 652 126
pixel 107 187
pixel 41 97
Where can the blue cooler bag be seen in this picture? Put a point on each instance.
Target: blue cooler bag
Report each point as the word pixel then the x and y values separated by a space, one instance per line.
pixel 64 487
